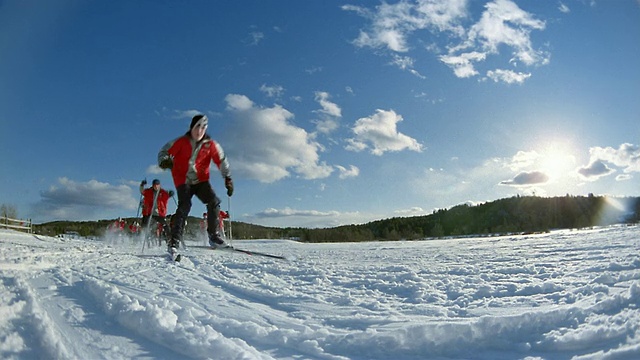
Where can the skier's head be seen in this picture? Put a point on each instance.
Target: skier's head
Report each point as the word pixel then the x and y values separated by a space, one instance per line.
pixel 199 120
pixel 155 182
pixel 198 126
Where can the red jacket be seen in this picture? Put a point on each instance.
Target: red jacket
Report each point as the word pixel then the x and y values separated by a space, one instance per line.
pixel 161 202
pixel 191 160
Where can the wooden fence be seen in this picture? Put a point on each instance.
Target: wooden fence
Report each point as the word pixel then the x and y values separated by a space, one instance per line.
pixel 21 225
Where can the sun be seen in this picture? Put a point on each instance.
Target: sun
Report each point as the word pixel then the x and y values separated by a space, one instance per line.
pixel 556 161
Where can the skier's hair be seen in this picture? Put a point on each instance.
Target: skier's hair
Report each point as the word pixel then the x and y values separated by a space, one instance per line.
pixel 199 119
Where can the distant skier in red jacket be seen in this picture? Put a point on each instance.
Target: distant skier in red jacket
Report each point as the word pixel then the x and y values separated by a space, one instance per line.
pixel 203 223
pixel 157 210
pixel 117 226
pixel 189 158
pixel 222 215
pixel 134 228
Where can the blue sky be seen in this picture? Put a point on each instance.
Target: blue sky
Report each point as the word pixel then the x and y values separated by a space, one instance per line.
pixel 331 112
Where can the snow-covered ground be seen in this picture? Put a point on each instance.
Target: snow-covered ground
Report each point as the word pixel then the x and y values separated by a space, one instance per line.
pixel 553 296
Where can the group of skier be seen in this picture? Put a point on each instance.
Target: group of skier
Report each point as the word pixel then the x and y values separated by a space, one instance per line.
pixel 153 201
pixel 119 226
pixel 188 157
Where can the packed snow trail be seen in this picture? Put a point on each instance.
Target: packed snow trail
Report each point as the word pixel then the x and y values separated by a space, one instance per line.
pixel 552 296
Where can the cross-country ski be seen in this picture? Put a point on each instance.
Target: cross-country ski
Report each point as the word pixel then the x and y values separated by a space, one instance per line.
pixel 243 251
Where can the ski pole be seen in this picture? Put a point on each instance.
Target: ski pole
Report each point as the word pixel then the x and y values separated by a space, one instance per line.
pixel 229 219
pixel 140 201
pixel 138 214
pixel 138 211
pixel 139 207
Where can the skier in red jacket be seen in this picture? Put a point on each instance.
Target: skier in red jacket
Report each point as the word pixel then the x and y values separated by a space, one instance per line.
pixel 222 215
pixel 157 211
pixel 189 158
pixel 203 223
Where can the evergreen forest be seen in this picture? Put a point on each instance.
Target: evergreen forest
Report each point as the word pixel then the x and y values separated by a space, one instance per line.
pixel 515 215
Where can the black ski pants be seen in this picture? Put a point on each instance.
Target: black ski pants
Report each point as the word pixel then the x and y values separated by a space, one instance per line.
pixel 205 193
pixel 146 222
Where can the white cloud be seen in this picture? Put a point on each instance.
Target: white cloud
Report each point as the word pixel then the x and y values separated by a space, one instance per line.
pixel 379 132
pixel 272 91
pixel 595 170
pixel 417 74
pixel 255 37
pixel 392 38
pixel 313 70
pixel 564 8
pixel 154 170
pixel 330 113
pixel 92 192
pixel 507 76
pixel 504 23
pixel 345 173
pixel 523 159
pixel 310 218
pixel 392 24
pixel 287 212
pixel 414 211
pixel 626 156
pixel 388 26
pixel 443 15
pixel 326 125
pixel 185 114
pixel 328 107
pixel 462 64
pixel 405 63
pixel 238 103
pixel 266 146
pixel 71 200
pixel 527 178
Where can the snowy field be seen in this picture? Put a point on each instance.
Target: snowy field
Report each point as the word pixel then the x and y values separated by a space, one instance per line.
pixel 563 295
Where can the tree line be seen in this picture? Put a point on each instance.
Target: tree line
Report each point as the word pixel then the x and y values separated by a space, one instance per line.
pixel 8 210
pixel 518 214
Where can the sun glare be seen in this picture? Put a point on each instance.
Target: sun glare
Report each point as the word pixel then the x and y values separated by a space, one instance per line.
pixel 556 162
pixel 614 210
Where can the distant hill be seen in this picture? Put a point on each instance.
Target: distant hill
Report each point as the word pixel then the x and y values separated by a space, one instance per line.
pixel 519 214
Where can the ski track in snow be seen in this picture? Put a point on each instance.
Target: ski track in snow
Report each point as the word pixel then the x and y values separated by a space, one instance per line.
pixel 562 295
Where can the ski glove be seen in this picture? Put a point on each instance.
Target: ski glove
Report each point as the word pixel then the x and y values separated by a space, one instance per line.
pixel 166 163
pixel 228 183
pixel 171 193
pixel 143 183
